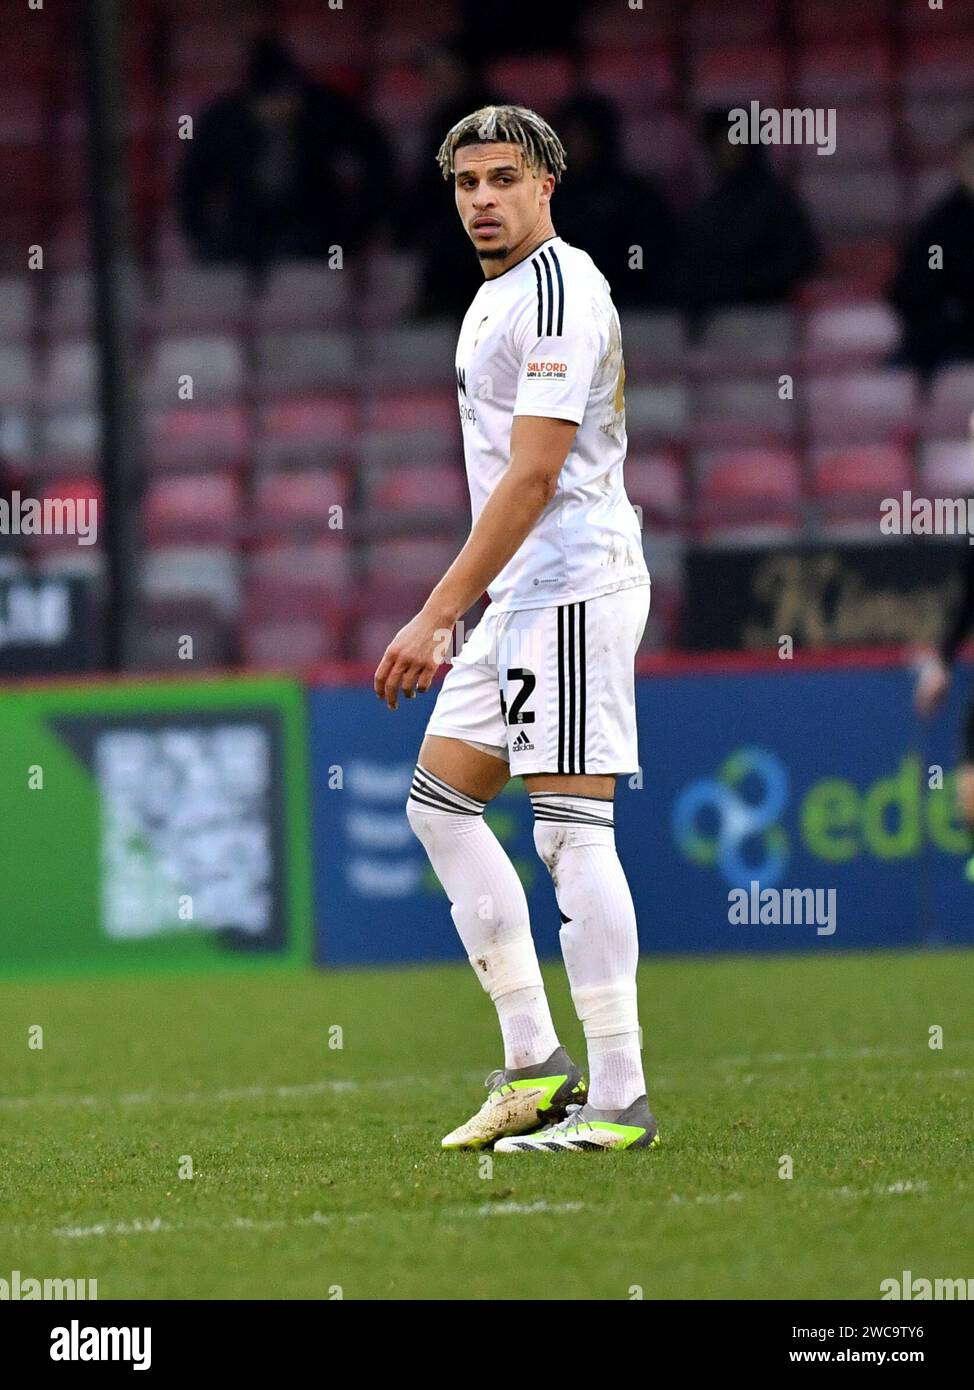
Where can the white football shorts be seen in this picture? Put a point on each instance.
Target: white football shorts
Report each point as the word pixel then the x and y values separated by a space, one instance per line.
pixel 550 689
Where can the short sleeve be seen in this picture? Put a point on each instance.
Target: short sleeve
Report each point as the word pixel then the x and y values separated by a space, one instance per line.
pixel 558 345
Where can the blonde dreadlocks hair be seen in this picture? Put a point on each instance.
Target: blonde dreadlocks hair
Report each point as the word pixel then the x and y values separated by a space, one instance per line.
pixel 514 125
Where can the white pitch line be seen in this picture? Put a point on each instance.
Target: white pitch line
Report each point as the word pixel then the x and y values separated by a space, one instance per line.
pixel 156 1225
pixel 259 1091
pixel 255 1092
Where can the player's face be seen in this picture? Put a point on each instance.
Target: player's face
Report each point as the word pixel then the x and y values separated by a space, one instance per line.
pixel 501 202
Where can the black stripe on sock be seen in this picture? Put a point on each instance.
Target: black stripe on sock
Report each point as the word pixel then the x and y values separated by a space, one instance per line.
pixel 445 786
pixel 568 819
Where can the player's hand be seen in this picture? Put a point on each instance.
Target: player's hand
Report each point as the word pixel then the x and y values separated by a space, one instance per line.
pixel 932 685
pixel 411 659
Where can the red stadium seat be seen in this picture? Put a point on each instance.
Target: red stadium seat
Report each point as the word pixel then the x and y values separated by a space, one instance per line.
pixel 214 363
pixel 737 340
pixel 296 363
pixel 76 490
pixel 414 425
pixel 549 79
pixel 69 442
pixel 839 335
pixel 282 576
pixel 661 143
pixel 714 23
pixel 299 295
pixel 16 310
pixel 853 71
pixel 198 298
pixel 415 355
pixel 849 481
pixel 653 343
pixel 730 75
pixel 17 385
pixel 742 494
pixel 828 19
pixel 934 125
pixel 400 93
pixel 415 561
pixel 876 405
pixel 392 284
pixel 657 412
pixel 950 405
pixel 288 644
pixel 864 135
pixel 847 201
pixel 71 377
pixel 747 411
pixel 302 501
pixel 208 577
pixel 198 436
pixel 307 430
pixel 655 483
pixel 194 509
pixel 947 467
pixel 421 491
pixel 636 79
pixel 940 65
pixel 617 26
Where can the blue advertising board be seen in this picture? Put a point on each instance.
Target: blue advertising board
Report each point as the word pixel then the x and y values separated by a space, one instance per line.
pixel 768 779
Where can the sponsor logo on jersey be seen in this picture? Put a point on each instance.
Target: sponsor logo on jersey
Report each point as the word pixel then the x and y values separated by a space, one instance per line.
pixel 462 379
pixel 547 371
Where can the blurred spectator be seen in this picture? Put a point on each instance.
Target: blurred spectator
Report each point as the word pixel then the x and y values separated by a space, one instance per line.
pixel 604 209
pixel 936 302
pixel 283 167
pixel 511 27
pixel 750 240
pixel 428 220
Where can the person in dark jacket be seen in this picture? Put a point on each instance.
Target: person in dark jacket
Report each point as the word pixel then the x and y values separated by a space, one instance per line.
pixel 933 290
pixel 450 276
pixel 749 240
pixel 934 680
pixel 282 168
pixel 606 210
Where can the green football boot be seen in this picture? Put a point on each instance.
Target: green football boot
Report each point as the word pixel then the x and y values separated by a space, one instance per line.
pixel 587 1130
pixel 520 1099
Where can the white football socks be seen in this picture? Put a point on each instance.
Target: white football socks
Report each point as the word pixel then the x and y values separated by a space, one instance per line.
pixel 575 836
pixel 490 911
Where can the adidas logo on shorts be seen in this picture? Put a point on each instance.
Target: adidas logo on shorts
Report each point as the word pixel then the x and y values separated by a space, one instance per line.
pixel 522 744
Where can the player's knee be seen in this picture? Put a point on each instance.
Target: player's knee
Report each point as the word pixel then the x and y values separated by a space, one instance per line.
pixel 550 841
pixel 434 808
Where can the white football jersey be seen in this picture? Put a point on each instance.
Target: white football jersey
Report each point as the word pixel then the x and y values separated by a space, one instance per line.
pixel 543 338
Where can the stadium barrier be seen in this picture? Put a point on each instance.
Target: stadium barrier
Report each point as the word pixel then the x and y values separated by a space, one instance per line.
pixel 154 824
pixel 810 774
pixel 162 824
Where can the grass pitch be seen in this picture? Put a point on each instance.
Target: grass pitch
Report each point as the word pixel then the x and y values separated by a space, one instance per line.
pixel 318 1168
